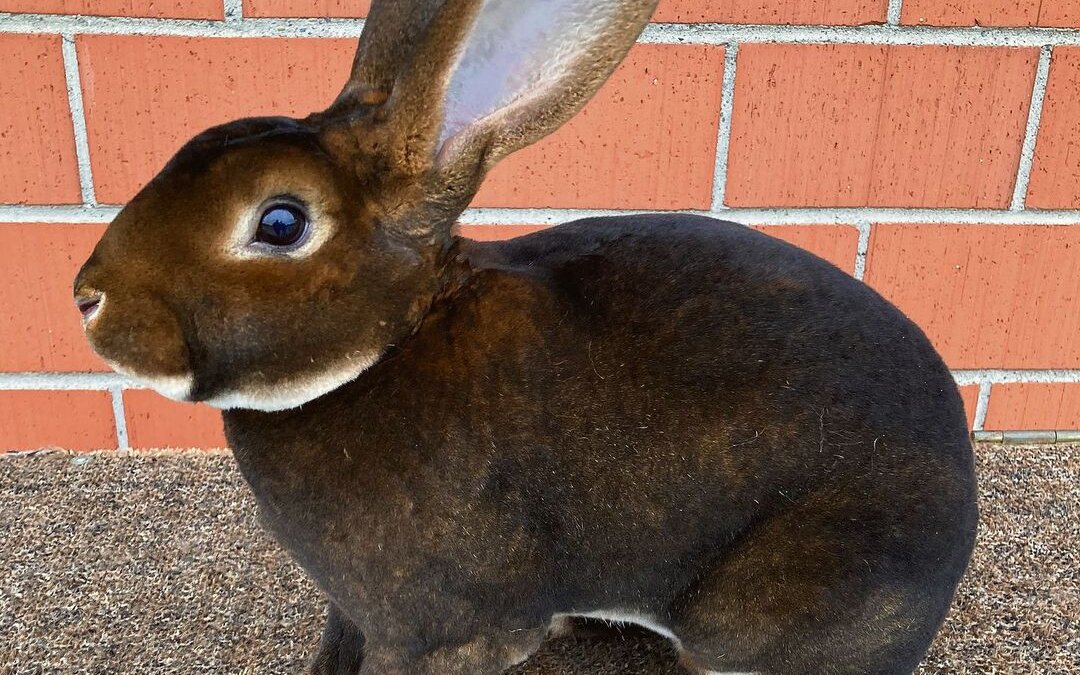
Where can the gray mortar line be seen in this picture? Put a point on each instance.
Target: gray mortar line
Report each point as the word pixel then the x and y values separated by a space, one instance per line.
pixel 657 33
pixel 723 133
pixel 78 119
pixel 1031 133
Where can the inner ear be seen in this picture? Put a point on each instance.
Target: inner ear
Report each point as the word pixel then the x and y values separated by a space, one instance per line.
pixel 524 68
pixel 514 51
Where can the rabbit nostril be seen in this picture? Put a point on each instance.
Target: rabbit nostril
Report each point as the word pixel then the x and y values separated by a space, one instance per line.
pixel 88 304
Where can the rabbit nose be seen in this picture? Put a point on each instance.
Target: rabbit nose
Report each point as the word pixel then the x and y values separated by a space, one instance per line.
pixel 87 298
pixel 88 302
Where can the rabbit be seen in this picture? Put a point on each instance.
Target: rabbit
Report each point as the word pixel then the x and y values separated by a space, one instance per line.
pixel 662 419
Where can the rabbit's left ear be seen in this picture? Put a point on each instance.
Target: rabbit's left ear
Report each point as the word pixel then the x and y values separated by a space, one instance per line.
pixel 487 77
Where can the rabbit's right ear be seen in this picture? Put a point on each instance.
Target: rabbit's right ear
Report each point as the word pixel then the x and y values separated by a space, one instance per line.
pixel 459 84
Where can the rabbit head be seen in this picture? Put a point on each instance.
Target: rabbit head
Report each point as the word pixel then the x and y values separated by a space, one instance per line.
pixel 273 259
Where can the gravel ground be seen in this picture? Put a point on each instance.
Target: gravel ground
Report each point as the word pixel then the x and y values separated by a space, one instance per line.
pixel 122 563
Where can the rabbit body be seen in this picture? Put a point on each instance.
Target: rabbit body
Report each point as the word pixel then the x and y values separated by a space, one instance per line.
pixel 664 419
pixel 667 418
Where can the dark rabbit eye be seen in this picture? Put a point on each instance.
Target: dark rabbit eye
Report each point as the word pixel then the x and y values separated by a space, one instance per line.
pixel 281 225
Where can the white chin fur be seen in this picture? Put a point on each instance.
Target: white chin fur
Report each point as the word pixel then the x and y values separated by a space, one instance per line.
pixel 176 387
pixel 296 392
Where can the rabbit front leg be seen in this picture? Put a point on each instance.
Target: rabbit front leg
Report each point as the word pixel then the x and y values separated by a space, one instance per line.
pixel 483 655
pixel 341 649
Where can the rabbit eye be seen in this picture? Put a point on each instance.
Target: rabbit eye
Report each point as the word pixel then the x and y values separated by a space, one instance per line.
pixel 281 225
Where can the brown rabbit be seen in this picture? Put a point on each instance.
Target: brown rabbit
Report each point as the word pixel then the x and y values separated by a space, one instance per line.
pixel 667 420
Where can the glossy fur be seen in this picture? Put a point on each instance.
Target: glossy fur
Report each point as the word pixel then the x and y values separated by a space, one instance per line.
pixel 666 419
pixel 663 415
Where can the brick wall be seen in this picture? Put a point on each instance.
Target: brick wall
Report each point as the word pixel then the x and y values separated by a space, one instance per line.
pixel 929 147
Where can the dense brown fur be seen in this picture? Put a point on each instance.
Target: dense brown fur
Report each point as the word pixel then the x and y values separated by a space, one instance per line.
pixel 549 443
pixel 666 418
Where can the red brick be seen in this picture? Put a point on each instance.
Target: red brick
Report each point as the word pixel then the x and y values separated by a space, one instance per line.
pixel 157 422
pixel 1055 175
pixel 40 329
pixel 970 394
pixel 1053 13
pixel 306 8
pixel 180 9
pixel 841 12
pixel 870 125
pixel 37 143
pixel 989 296
pixel 497 232
pixel 71 420
pixel 648 140
pixel 836 243
pixel 146 96
pixel 1034 407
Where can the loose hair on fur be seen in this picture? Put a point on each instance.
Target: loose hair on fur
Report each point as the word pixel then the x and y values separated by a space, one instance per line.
pixel 660 419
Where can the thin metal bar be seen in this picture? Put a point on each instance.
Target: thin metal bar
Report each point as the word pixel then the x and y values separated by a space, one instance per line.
pixel 1018 437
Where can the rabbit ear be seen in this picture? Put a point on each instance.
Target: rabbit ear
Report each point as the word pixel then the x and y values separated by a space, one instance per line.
pixel 491 76
pixel 391 33
pixel 525 68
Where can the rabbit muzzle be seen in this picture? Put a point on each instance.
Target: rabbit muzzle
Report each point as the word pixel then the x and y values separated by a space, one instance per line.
pixel 135 332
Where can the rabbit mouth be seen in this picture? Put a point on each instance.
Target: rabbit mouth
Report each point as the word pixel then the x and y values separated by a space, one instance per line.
pixel 142 342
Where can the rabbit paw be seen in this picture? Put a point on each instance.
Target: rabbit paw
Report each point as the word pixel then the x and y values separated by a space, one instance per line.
pixel 341 650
